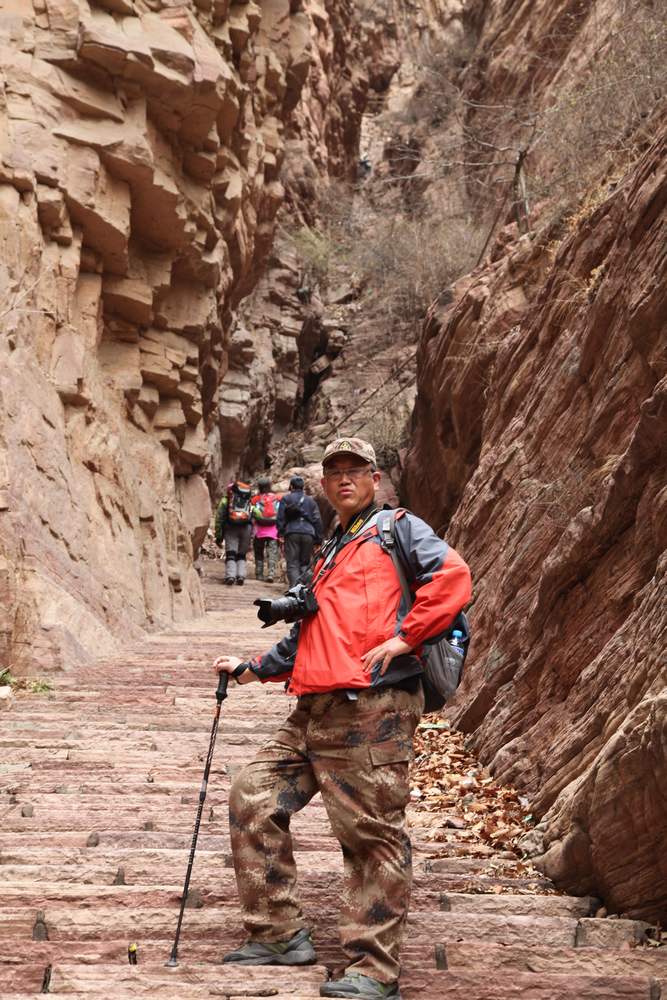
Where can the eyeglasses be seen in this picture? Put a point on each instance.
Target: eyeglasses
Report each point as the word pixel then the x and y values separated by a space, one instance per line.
pixel 356 472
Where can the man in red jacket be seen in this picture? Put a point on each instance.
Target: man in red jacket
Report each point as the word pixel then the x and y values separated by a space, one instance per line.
pixel 354 666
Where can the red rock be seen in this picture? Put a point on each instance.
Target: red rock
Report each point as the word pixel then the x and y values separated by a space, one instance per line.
pixel 548 470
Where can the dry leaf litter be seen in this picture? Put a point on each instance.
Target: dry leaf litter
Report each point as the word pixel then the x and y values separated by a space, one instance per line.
pixel 457 804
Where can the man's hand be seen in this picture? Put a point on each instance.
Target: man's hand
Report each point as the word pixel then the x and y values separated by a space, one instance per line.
pixel 386 652
pixel 228 665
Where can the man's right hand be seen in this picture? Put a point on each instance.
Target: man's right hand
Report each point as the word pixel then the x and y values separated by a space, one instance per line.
pixel 228 665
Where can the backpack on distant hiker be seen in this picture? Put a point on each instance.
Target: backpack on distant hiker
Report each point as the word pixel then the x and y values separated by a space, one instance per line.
pixel 443 656
pixel 239 503
pixel 265 508
pixel 294 507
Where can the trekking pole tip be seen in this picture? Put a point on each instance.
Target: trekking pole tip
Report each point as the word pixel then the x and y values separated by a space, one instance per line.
pixel 172 962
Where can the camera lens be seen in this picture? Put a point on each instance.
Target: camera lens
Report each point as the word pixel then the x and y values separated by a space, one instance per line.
pixel 264 613
pixel 298 603
pixel 271 611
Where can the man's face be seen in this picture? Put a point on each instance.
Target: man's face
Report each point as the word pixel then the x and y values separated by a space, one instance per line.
pixel 349 484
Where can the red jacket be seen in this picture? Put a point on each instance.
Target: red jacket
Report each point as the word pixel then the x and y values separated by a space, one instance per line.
pixel 361 605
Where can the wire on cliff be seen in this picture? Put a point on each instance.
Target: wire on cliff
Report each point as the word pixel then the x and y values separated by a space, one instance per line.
pixel 394 374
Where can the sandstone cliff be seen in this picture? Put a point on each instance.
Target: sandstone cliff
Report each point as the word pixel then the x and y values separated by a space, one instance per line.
pixel 539 445
pixel 141 144
pixel 285 334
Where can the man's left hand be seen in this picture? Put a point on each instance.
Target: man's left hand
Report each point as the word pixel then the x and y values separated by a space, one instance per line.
pixel 386 652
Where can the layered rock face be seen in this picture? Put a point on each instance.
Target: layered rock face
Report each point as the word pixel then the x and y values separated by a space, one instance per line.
pixel 140 144
pixel 284 327
pixel 546 465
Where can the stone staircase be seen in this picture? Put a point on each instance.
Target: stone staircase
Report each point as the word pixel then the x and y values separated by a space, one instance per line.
pixel 100 783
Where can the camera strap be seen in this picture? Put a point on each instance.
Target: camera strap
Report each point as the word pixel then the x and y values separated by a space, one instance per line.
pixel 338 542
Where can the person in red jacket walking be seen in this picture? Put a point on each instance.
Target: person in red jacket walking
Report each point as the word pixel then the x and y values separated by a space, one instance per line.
pixel 354 666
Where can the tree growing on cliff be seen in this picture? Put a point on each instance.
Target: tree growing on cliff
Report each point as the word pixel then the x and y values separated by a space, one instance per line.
pixel 551 144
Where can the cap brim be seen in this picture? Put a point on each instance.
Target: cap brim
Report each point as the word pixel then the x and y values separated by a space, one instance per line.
pixel 346 451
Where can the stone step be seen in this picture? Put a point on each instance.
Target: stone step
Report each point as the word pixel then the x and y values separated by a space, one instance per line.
pixel 303 838
pixel 222 892
pixel 429 985
pixel 177 823
pixel 190 980
pixel 322 854
pixel 148 832
pixel 100 798
pixel 94 921
pixel 63 709
pixel 103 734
pixel 178 993
pixel 162 719
pixel 185 730
pixel 196 746
pixel 93 735
pixel 161 682
pixel 463 955
pixel 208 841
pixel 25 971
pixel 122 979
pixel 140 867
pixel 518 905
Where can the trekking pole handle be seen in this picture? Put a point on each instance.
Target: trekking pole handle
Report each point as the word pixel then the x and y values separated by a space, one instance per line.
pixel 223 681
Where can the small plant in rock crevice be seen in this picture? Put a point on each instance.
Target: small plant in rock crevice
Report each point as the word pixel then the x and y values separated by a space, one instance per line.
pixel 34 685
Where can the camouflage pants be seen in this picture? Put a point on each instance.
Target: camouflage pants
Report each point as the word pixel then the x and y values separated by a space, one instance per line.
pixel 356 754
pixel 265 547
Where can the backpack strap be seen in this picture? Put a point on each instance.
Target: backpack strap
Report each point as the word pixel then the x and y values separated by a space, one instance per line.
pixel 386 527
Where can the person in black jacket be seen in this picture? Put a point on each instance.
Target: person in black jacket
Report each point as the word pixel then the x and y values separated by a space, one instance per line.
pixel 300 524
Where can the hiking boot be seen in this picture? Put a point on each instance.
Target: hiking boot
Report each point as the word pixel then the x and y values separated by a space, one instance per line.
pixel 229 580
pixel 297 951
pixel 269 579
pixel 354 984
pixel 239 581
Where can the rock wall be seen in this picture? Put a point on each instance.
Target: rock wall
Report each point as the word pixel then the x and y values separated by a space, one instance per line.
pixel 141 144
pixel 538 446
pixel 283 327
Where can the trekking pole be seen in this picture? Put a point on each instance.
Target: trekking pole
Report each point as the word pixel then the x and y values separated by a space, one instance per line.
pixel 220 696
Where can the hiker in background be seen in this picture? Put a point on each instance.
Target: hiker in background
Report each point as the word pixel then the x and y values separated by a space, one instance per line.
pixel 300 524
pixel 232 525
pixel 264 512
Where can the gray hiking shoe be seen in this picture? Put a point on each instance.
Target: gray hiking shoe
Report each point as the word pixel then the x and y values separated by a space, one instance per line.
pixel 297 951
pixel 354 984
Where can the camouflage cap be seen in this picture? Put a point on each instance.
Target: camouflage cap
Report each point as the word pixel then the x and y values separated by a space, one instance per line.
pixel 350 446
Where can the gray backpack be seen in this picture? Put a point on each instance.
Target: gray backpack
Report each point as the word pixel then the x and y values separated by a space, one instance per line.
pixel 442 660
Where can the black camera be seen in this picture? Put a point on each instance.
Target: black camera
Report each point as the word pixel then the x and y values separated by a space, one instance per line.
pixel 299 602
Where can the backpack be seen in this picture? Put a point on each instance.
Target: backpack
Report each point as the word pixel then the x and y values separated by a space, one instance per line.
pixel 265 508
pixel 442 661
pixel 239 503
pixel 294 507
